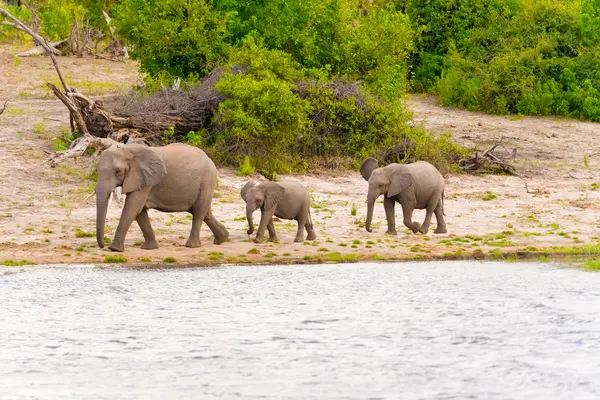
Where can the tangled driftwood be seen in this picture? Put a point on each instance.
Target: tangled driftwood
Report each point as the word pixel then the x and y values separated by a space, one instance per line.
pixel 487 160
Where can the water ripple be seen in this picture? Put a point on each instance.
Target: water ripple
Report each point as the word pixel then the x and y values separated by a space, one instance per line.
pixel 452 330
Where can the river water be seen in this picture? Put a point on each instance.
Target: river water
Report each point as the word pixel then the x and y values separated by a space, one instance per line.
pixel 429 330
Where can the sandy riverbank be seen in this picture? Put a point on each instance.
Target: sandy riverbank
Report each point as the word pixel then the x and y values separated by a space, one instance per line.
pixel 43 217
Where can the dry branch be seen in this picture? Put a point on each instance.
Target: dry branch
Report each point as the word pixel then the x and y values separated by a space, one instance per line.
pixel 488 159
pixel 42 43
pixel 39 50
pixel 3 107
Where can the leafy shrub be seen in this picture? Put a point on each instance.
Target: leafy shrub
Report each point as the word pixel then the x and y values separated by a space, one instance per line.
pixel 245 168
pixel 181 38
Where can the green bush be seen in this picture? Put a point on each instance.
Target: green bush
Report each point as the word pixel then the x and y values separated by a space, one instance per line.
pixel 180 38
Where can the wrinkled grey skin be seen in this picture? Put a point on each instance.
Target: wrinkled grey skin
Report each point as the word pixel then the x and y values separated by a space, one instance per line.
pixel 173 178
pixel 286 200
pixel 415 186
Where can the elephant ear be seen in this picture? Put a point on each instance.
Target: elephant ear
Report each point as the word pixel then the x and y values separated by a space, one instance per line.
pixel 367 167
pixel 246 188
pixel 400 180
pixel 146 168
pixel 273 194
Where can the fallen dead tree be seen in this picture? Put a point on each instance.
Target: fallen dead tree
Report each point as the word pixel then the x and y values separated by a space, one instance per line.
pixel 80 107
pixel 488 160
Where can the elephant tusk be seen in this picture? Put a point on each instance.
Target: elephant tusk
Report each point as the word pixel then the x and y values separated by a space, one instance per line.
pixel 119 194
pixel 110 200
pixel 90 195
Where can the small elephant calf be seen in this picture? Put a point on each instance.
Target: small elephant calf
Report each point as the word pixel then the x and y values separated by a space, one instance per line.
pixel 287 200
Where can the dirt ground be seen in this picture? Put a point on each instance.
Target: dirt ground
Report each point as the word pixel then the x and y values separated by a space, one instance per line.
pixel 44 218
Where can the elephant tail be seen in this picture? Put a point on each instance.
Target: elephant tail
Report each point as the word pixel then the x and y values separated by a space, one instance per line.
pixel 310 217
pixel 443 211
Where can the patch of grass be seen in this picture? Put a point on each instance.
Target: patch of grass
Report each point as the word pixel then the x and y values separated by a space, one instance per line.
pixel 81 234
pixel 356 241
pixel 286 254
pixel 489 196
pixel 145 259
pixel 115 259
pixel 254 250
pixel 15 263
pixel 594 186
pixel 170 260
pixel 593 264
pixel 322 249
pixel 15 111
pixel 269 255
pixel 586 161
pixel 39 128
pixel 353 210
pixel 338 257
pixel 342 244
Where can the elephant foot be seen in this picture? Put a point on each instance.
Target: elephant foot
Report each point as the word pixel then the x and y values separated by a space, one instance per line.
pixel 150 245
pixel 298 240
pixel 116 247
pixel 416 228
pixel 193 243
pixel 311 236
pixel 258 239
pixel 423 230
pixel 273 239
pixel 221 238
pixel 391 232
pixel 440 229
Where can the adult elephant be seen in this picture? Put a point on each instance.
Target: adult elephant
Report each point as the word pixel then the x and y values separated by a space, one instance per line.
pixel 172 178
pixel 417 185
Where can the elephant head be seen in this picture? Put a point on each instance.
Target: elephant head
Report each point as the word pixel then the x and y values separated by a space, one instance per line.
pixel 129 166
pixel 391 180
pixel 264 196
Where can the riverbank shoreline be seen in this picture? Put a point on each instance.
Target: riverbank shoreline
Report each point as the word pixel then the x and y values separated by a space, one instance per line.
pixel 552 208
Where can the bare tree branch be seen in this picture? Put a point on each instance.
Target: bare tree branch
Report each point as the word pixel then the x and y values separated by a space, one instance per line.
pixel 42 43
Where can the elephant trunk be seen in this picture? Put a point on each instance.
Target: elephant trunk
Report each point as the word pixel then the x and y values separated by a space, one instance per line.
pixel 249 212
pixel 101 209
pixel 370 206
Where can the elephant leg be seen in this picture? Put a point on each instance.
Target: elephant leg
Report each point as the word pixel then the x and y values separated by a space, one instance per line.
pixel 272 234
pixel 134 203
pixel 144 223
pixel 439 217
pixel 310 231
pixel 265 217
pixel 217 228
pixel 407 212
pixel 300 233
pixel 390 205
pixel 428 214
pixel 198 213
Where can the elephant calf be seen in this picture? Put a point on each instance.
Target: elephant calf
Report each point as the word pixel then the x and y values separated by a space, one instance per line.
pixel 172 178
pixel 287 200
pixel 417 185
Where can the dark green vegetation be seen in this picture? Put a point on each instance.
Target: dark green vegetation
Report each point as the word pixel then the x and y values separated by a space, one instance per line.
pixel 311 83
pixel 537 57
